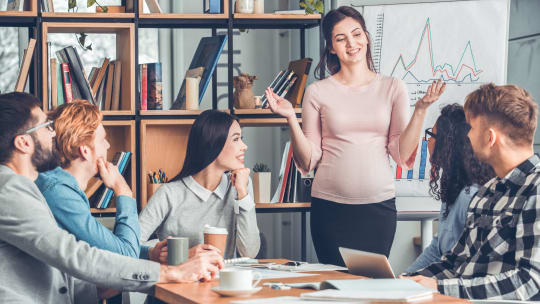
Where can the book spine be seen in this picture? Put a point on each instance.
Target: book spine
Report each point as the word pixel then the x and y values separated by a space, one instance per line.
pixel 155 86
pixel 398 172
pixel 59 84
pixel 66 76
pixel 78 74
pixel 144 87
pixel 286 174
pixel 410 174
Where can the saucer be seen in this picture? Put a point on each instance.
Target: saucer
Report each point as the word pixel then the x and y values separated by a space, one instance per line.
pixel 237 292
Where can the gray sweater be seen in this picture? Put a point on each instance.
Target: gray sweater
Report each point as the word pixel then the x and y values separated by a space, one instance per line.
pixel 39 261
pixel 182 208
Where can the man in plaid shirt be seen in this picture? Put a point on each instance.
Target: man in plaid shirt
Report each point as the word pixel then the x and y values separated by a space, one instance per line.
pixel 498 254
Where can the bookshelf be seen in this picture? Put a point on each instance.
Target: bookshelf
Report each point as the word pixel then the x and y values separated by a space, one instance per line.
pixel 125 53
pixel 121 137
pixel 29 10
pixel 145 133
pixel 155 134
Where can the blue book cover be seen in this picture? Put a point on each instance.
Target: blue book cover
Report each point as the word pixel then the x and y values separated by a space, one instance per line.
pixel 410 174
pixel 207 56
pixel 423 157
pixel 122 168
pixel 212 6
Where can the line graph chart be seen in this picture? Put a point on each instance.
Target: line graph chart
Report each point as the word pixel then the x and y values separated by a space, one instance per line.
pixel 461 42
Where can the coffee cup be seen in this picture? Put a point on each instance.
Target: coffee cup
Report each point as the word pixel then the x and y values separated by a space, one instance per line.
pixel 238 279
pixel 177 250
pixel 216 237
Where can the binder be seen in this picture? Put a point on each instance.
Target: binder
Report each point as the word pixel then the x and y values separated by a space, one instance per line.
pixel 301 69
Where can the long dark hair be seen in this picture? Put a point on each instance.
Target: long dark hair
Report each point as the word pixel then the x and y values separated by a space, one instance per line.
pixel 453 164
pixel 330 61
pixel 206 140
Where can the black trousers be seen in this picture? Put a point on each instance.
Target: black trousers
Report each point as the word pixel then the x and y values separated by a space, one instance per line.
pixel 366 227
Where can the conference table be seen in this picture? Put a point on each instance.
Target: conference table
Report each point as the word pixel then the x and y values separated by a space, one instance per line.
pixel 200 292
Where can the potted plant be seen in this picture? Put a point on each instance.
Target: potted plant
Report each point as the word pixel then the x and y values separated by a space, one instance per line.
pixel 262 178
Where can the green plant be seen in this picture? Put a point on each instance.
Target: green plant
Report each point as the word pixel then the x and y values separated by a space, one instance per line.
pixel 313 6
pixel 72 4
pixel 260 167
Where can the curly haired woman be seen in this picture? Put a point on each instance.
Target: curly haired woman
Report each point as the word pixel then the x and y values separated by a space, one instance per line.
pixel 455 176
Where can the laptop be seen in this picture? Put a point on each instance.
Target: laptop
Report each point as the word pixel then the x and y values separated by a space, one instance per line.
pixel 367 264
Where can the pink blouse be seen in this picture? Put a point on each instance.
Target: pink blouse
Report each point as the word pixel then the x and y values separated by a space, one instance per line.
pixel 352 131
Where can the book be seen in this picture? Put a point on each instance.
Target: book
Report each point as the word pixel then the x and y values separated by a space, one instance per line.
pixel 207 56
pixel 54 85
pixel 120 160
pixel 281 177
pixel 66 82
pixel 115 103
pixel 286 173
pixel 100 74
pixel 153 6
pixel 59 85
pixel 284 83
pixel 301 69
pixel 108 86
pixel 144 86
pixel 25 66
pixel 77 73
pixel 155 86
pixel 289 86
pixel 272 84
pixel 212 6
pixel 387 290
pixel 122 168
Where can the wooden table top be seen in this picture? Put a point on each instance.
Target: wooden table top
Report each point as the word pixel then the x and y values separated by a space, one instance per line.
pixel 202 293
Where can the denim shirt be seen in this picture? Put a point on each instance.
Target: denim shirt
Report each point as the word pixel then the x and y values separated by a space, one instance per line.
pixel 71 209
pixel 449 230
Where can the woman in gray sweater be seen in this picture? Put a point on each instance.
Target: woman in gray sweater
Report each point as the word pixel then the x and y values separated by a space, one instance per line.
pixel 212 188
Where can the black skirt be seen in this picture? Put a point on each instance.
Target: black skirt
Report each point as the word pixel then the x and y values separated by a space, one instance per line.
pixel 366 227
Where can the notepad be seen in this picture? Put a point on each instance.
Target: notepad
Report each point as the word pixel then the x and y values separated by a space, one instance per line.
pixel 369 290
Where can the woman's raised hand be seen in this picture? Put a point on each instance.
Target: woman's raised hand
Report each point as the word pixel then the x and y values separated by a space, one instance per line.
pixel 279 105
pixel 434 91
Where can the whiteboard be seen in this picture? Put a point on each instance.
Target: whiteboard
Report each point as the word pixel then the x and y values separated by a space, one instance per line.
pixel 463 42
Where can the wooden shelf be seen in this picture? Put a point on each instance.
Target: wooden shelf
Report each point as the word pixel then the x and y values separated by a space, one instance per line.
pixel 182 16
pixel 155 135
pixel 282 205
pixel 170 112
pixel 269 122
pixel 30 10
pixel 277 16
pixel 260 111
pixel 88 15
pixel 106 210
pixel 121 137
pixel 125 53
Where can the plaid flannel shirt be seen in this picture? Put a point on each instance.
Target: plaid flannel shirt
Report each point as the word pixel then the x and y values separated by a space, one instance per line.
pixel 498 254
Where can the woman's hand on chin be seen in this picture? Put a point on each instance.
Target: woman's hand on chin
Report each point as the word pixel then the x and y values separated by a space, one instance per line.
pixel 240 179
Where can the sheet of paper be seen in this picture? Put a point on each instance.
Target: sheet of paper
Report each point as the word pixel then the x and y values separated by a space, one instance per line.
pixel 308 267
pixel 276 274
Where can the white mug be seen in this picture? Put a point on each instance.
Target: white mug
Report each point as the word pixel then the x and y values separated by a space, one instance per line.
pixel 238 279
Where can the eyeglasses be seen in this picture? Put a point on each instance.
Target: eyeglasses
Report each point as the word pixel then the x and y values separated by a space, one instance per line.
pixel 49 125
pixel 428 133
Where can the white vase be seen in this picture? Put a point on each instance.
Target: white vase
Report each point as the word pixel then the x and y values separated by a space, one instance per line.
pixel 261 186
pixel 244 6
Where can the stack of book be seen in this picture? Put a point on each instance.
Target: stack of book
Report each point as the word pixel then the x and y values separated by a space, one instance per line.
pixel 292 185
pixel 104 195
pixel 291 83
pixel 150 86
pixel 68 81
